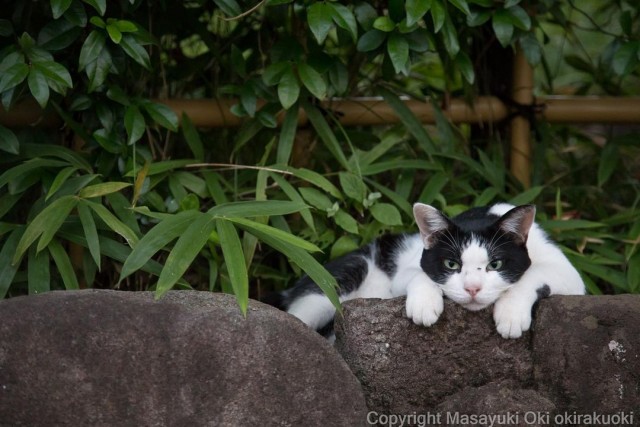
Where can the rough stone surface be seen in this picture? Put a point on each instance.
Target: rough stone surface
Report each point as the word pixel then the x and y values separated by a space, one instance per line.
pixel 405 368
pixel 506 400
pixel 587 352
pixel 108 358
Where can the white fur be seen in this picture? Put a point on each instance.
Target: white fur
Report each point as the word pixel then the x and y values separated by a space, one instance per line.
pixel 424 305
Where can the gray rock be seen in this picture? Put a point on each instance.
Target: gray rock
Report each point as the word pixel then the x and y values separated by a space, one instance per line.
pixel 107 358
pixel 405 368
pixel 587 352
pixel 506 401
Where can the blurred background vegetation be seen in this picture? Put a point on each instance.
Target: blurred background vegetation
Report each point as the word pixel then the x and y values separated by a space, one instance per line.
pixel 124 193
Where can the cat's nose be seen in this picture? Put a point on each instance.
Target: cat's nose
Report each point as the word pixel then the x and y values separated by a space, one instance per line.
pixel 472 289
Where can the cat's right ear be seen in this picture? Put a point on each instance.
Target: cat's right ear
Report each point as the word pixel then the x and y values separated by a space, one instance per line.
pixel 430 222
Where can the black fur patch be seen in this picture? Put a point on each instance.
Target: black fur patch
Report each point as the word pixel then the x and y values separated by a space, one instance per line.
pixel 543 292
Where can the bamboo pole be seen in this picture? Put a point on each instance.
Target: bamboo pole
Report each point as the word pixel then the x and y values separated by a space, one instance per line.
pixel 520 126
pixel 374 111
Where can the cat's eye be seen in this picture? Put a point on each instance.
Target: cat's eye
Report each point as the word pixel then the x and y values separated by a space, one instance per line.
pixel 496 264
pixel 450 264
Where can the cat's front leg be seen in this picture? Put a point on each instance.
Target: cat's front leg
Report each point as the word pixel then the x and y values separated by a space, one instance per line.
pixel 512 311
pixel 424 300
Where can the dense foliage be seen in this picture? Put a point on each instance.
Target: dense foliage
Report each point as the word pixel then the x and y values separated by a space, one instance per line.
pixel 122 192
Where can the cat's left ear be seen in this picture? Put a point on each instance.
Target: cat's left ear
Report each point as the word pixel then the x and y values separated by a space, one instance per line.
pixel 518 221
pixel 431 222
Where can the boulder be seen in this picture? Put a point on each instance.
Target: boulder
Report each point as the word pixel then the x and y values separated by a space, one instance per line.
pixel 587 352
pixel 109 358
pixel 405 368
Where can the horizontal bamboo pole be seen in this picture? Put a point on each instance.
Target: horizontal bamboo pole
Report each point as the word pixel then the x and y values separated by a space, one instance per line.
pixel 374 111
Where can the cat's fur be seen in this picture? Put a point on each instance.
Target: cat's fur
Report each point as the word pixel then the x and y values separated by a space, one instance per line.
pixel 483 256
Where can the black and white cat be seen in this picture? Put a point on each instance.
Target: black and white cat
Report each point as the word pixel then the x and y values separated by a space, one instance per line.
pixel 483 256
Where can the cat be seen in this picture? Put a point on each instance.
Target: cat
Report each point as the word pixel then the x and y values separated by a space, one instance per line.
pixel 488 255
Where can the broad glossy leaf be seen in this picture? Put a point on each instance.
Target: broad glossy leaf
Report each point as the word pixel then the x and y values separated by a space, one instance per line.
pixel 344 18
pixel 90 232
pixel 99 5
pixel 188 246
pixel 50 218
pixel 7 266
pixel 91 48
pixel 520 17
pixel 461 5
pixel 450 38
pixel 416 9
pixel 465 66
pixel 371 40
pixel 235 261
pixel 134 124
pixel 229 7
pixel 312 80
pixel 135 50
pixel 273 73
pixel 59 7
pixel 58 35
pixel 438 14
pixel 38 86
pixel 13 76
pixel 162 114
pixel 384 24
pixel 157 238
pixel 319 17
pixel 114 33
pixel 398 49
pixel 9 141
pixel 65 268
pixel 503 26
pixel 626 58
pixel 288 89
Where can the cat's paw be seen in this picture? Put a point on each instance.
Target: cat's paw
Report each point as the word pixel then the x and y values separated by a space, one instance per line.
pixel 424 304
pixel 512 316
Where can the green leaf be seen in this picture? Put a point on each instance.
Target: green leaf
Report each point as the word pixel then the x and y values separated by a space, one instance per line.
pixel 384 24
pixel 235 262
pixel 76 14
pixel 58 77
pixel 99 5
pixel 90 232
pixel 416 9
pixel 294 196
pixel 47 221
pixel 59 7
pixel 502 23
pixel 287 135
pixel 398 49
pixel 300 257
pixel 343 246
pixel 8 141
pixel 98 190
pixel 521 18
pixel 157 238
pixel 633 273
pixel 316 198
pixel 38 87
pixel 91 49
pixel 312 80
pixel 461 5
pixel 609 160
pixel 134 124
pixel 273 73
pixel 438 14
pixel 527 196
pixel 98 70
pixel 450 38
pixel 346 221
pixel 326 134
pixel 319 17
pixel 478 18
pixel 464 64
pixel 38 275
pixel 188 246
pixel 531 48
pixel 288 89
pixel 63 263
pixel 58 35
pixel 13 76
pixel 626 58
pixel 7 266
pixel 313 178
pixel 386 213
pixel 259 230
pixel 344 18
pixel 6 28
pixel 192 136
pixel 162 114
pixel 353 186
pixel 229 7
pixel 256 208
pixel 114 223
pixel 135 51
pixel 371 40
pixel 114 33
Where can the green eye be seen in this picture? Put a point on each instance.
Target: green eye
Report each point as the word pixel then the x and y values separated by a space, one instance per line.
pixel 496 264
pixel 450 264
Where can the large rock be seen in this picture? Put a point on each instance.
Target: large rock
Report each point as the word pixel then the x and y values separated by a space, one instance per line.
pixel 587 352
pixel 405 368
pixel 107 358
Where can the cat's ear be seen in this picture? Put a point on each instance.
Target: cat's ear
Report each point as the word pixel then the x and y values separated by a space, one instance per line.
pixel 430 222
pixel 518 222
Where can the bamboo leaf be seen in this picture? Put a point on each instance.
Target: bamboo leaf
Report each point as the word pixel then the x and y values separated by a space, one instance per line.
pixel 192 137
pixel 235 262
pixel 294 196
pixel 38 274
pixel 256 208
pixel 54 219
pixel 63 263
pixel 90 232
pixel 49 218
pixel 287 135
pixel 7 266
pixel 114 223
pixel 98 190
pixel 258 229
pixel 155 239
pixel 326 134
pixel 184 252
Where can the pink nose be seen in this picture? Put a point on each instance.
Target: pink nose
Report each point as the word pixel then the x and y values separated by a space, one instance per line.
pixel 472 289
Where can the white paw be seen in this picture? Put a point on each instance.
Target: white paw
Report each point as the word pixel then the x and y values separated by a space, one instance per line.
pixel 424 304
pixel 512 316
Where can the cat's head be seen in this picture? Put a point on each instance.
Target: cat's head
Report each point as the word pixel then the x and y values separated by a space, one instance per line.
pixel 476 256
